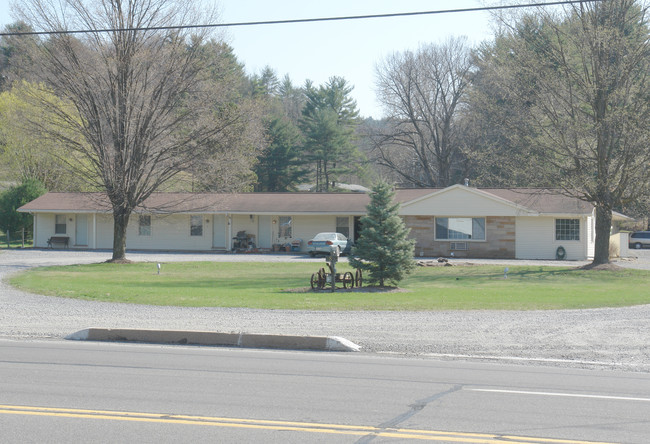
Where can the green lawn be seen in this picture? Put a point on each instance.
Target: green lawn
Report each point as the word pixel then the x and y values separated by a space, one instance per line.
pixel 286 286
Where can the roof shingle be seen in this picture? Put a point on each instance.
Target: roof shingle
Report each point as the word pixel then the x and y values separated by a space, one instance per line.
pixel 539 200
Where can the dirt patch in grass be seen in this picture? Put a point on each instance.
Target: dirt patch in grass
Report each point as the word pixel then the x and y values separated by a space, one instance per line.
pixel 442 263
pixel 119 261
pixel 367 289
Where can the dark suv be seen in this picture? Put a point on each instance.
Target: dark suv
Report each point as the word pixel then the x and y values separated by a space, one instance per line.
pixel 640 239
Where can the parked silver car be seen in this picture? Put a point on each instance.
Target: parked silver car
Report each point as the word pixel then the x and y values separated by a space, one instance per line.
pixel 324 243
pixel 640 239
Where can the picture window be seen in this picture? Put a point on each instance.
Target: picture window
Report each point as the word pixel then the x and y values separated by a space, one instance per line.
pixel 460 228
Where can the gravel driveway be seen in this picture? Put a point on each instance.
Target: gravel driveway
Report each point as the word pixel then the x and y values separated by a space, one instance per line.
pixel 605 338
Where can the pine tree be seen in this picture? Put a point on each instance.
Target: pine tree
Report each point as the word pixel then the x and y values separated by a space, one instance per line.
pixel 383 250
pixel 280 167
pixel 328 121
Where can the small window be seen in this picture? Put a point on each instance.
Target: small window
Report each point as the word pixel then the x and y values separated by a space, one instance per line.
pixel 460 228
pixel 343 226
pixel 144 225
pixel 567 229
pixel 196 225
pixel 60 224
pixel 284 230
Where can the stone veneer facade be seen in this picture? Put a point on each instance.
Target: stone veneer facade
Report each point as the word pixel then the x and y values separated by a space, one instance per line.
pixel 499 239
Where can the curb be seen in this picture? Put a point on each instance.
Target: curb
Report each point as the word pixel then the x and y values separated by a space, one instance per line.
pixel 243 340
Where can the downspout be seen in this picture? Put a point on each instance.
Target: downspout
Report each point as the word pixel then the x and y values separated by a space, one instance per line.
pixel 35 219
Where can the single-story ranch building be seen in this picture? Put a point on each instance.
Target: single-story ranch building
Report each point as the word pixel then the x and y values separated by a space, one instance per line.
pixel 468 222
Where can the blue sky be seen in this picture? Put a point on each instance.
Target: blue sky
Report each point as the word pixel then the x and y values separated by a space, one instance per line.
pixel 350 49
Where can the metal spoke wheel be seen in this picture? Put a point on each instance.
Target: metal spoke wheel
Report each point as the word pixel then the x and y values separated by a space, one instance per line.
pixel 315 281
pixel 348 280
pixel 358 278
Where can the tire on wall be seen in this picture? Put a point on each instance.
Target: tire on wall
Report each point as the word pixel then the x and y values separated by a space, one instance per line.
pixel 560 253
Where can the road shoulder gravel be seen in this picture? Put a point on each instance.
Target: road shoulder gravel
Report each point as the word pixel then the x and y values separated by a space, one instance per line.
pixel 616 338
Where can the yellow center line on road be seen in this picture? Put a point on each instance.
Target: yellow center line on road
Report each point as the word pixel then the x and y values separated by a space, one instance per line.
pixel 342 429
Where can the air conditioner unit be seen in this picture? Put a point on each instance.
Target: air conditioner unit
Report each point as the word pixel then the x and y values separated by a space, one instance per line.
pixel 458 246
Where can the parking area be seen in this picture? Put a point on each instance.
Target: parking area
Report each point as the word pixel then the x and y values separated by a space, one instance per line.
pixel 28 257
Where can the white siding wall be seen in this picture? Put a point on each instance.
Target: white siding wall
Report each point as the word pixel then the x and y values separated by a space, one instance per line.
pixel 104 231
pixel 44 227
pixel 169 232
pixel 535 239
pixel 458 202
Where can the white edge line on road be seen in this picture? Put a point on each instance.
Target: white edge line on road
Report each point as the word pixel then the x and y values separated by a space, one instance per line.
pixel 523 359
pixel 566 395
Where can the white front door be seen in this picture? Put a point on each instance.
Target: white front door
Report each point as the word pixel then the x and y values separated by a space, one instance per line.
pixel 265 232
pixel 81 230
pixel 219 231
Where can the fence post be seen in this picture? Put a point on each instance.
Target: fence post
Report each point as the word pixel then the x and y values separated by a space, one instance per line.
pixel 23 237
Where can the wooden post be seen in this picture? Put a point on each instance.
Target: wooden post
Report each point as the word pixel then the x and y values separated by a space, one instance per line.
pixel 333 259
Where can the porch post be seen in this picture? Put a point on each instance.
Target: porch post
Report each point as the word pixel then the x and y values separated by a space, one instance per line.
pixel 229 240
pixel 94 231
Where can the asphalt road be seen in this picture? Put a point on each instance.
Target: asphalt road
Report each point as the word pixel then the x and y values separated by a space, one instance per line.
pixel 58 391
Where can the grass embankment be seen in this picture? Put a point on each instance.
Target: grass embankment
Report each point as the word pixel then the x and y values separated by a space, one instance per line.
pixel 277 286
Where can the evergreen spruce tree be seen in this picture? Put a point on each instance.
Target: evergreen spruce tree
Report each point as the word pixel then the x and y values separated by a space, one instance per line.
pixel 383 250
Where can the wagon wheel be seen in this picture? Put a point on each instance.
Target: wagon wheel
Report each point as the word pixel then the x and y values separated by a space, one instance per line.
pixel 315 281
pixel 323 281
pixel 358 278
pixel 348 280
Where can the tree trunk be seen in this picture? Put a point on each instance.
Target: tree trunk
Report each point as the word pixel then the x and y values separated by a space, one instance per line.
pixel 120 223
pixel 603 228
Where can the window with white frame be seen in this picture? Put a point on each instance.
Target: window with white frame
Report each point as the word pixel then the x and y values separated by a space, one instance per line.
pixel 284 228
pixel 196 225
pixel 343 226
pixel 144 225
pixel 60 224
pixel 567 229
pixel 460 228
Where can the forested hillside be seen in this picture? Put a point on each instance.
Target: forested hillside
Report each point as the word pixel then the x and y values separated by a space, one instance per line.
pixel 559 97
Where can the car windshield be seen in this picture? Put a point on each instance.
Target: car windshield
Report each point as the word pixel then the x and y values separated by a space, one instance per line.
pixel 325 236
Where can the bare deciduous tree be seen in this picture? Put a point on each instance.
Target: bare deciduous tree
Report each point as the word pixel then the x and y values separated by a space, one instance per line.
pixel 423 92
pixel 145 93
pixel 579 79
